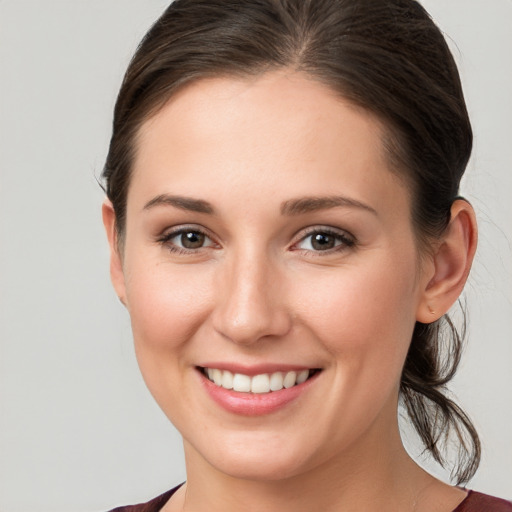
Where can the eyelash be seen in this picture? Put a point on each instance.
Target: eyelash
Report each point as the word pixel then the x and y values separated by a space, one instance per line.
pixel 167 237
pixel 343 240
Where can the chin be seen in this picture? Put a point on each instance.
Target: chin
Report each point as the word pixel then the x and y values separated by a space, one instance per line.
pixel 255 469
pixel 269 458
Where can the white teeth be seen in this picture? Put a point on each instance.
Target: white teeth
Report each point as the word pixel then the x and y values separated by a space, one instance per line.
pixel 289 380
pixel 241 383
pixel 262 383
pixel 227 380
pixel 217 377
pixel 302 376
pixel 276 381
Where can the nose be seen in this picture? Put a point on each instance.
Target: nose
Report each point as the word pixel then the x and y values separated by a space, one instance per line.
pixel 250 305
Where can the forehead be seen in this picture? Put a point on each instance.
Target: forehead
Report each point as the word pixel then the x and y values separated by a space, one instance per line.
pixel 268 102
pixel 281 128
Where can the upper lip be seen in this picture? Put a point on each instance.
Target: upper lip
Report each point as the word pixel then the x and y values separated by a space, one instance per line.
pixel 255 369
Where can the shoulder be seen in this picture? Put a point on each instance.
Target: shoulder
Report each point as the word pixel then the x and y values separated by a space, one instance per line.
pixel 478 502
pixel 154 505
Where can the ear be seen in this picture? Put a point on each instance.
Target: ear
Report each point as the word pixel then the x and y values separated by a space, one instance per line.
pixel 452 261
pixel 116 262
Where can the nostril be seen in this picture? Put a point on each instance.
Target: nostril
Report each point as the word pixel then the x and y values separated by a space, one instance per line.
pixel 249 325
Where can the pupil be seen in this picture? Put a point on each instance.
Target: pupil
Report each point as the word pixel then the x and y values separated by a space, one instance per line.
pixel 192 240
pixel 322 241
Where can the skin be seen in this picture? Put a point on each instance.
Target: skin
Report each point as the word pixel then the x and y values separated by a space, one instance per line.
pixel 259 292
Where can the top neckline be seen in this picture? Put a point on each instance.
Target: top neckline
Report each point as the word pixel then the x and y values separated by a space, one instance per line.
pixel 463 502
pixel 167 495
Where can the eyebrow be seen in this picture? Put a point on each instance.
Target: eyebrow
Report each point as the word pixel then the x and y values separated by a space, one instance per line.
pixel 311 204
pixel 181 202
pixel 291 207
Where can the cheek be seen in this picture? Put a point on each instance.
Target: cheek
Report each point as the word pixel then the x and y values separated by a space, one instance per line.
pixel 365 315
pixel 167 304
pixel 364 318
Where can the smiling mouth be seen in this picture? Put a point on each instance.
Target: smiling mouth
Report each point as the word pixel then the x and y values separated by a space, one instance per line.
pixel 258 384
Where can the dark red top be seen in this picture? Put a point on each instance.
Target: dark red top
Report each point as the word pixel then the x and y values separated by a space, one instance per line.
pixel 474 502
pixel 478 502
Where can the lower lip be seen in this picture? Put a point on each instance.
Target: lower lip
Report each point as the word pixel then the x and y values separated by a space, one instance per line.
pixel 254 404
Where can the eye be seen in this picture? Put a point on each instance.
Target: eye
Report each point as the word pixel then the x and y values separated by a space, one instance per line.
pixel 190 239
pixel 185 240
pixel 324 240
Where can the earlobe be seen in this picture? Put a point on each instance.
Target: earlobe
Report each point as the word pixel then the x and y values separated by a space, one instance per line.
pixel 452 262
pixel 116 264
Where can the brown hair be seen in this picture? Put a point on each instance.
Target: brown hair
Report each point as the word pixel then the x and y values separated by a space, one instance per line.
pixel 386 56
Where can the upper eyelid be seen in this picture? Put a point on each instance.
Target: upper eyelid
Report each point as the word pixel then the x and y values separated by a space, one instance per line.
pixel 174 231
pixel 305 232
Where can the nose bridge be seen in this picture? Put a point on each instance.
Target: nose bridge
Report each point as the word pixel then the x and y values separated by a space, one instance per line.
pixel 250 304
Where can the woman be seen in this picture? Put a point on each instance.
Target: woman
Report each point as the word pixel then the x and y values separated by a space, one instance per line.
pixel 287 236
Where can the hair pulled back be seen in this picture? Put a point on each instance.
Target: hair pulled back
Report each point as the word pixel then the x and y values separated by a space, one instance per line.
pixel 386 56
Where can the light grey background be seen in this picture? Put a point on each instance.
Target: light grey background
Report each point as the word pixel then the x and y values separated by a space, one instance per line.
pixel 78 430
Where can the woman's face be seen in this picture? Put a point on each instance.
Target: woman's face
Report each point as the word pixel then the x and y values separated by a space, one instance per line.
pixel 266 239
